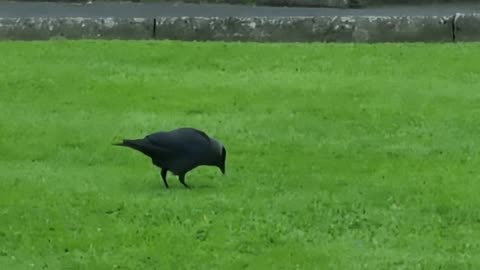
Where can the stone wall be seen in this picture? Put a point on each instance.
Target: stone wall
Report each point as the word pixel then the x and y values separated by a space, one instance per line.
pixel 368 29
pixel 302 3
pixel 308 29
pixel 75 28
pixel 467 27
pixel 397 2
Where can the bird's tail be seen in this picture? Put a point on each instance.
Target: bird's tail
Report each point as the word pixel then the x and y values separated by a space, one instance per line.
pixel 138 145
pixel 145 147
pixel 119 144
pixel 127 143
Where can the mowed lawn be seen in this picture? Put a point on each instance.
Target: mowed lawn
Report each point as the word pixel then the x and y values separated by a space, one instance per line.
pixel 339 156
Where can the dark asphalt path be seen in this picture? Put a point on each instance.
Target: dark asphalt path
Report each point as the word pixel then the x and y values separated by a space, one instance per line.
pixel 148 10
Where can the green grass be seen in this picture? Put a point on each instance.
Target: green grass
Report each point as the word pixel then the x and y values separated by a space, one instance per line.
pixel 339 156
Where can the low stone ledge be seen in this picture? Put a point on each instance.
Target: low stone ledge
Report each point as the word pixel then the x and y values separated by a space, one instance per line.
pixel 307 29
pixel 404 29
pixel 290 3
pixel 414 2
pixel 75 28
pixel 313 3
pixel 257 29
pixel 467 27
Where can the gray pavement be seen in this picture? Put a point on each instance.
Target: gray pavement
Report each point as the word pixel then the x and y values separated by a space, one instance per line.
pixel 149 10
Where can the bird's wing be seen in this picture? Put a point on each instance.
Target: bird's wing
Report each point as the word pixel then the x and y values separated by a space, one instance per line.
pixel 202 134
pixel 146 147
pixel 180 140
pixel 166 156
pixel 165 140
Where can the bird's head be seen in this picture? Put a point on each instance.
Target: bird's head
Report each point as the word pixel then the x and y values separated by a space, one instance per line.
pixel 223 159
pixel 220 156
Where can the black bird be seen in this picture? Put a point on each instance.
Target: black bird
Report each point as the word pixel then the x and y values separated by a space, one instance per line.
pixel 180 151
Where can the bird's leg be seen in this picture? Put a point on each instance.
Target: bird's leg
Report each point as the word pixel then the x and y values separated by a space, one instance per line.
pixel 164 177
pixel 182 180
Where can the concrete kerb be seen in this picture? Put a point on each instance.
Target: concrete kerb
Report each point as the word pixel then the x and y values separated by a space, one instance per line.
pixel 272 3
pixel 467 27
pixel 259 29
pixel 308 29
pixel 293 3
pixel 313 3
pixel 75 28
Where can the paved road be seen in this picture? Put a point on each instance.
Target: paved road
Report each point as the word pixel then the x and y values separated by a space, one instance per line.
pixel 35 9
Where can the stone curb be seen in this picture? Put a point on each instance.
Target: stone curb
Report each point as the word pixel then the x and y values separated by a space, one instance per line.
pixel 293 3
pixel 75 28
pixel 365 29
pixel 313 3
pixel 308 29
pixel 467 27
pixel 273 3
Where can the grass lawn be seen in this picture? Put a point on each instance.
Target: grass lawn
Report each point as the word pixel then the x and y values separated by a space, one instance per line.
pixel 339 156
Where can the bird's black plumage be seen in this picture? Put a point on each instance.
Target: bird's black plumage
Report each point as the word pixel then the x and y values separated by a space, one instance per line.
pixel 180 151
